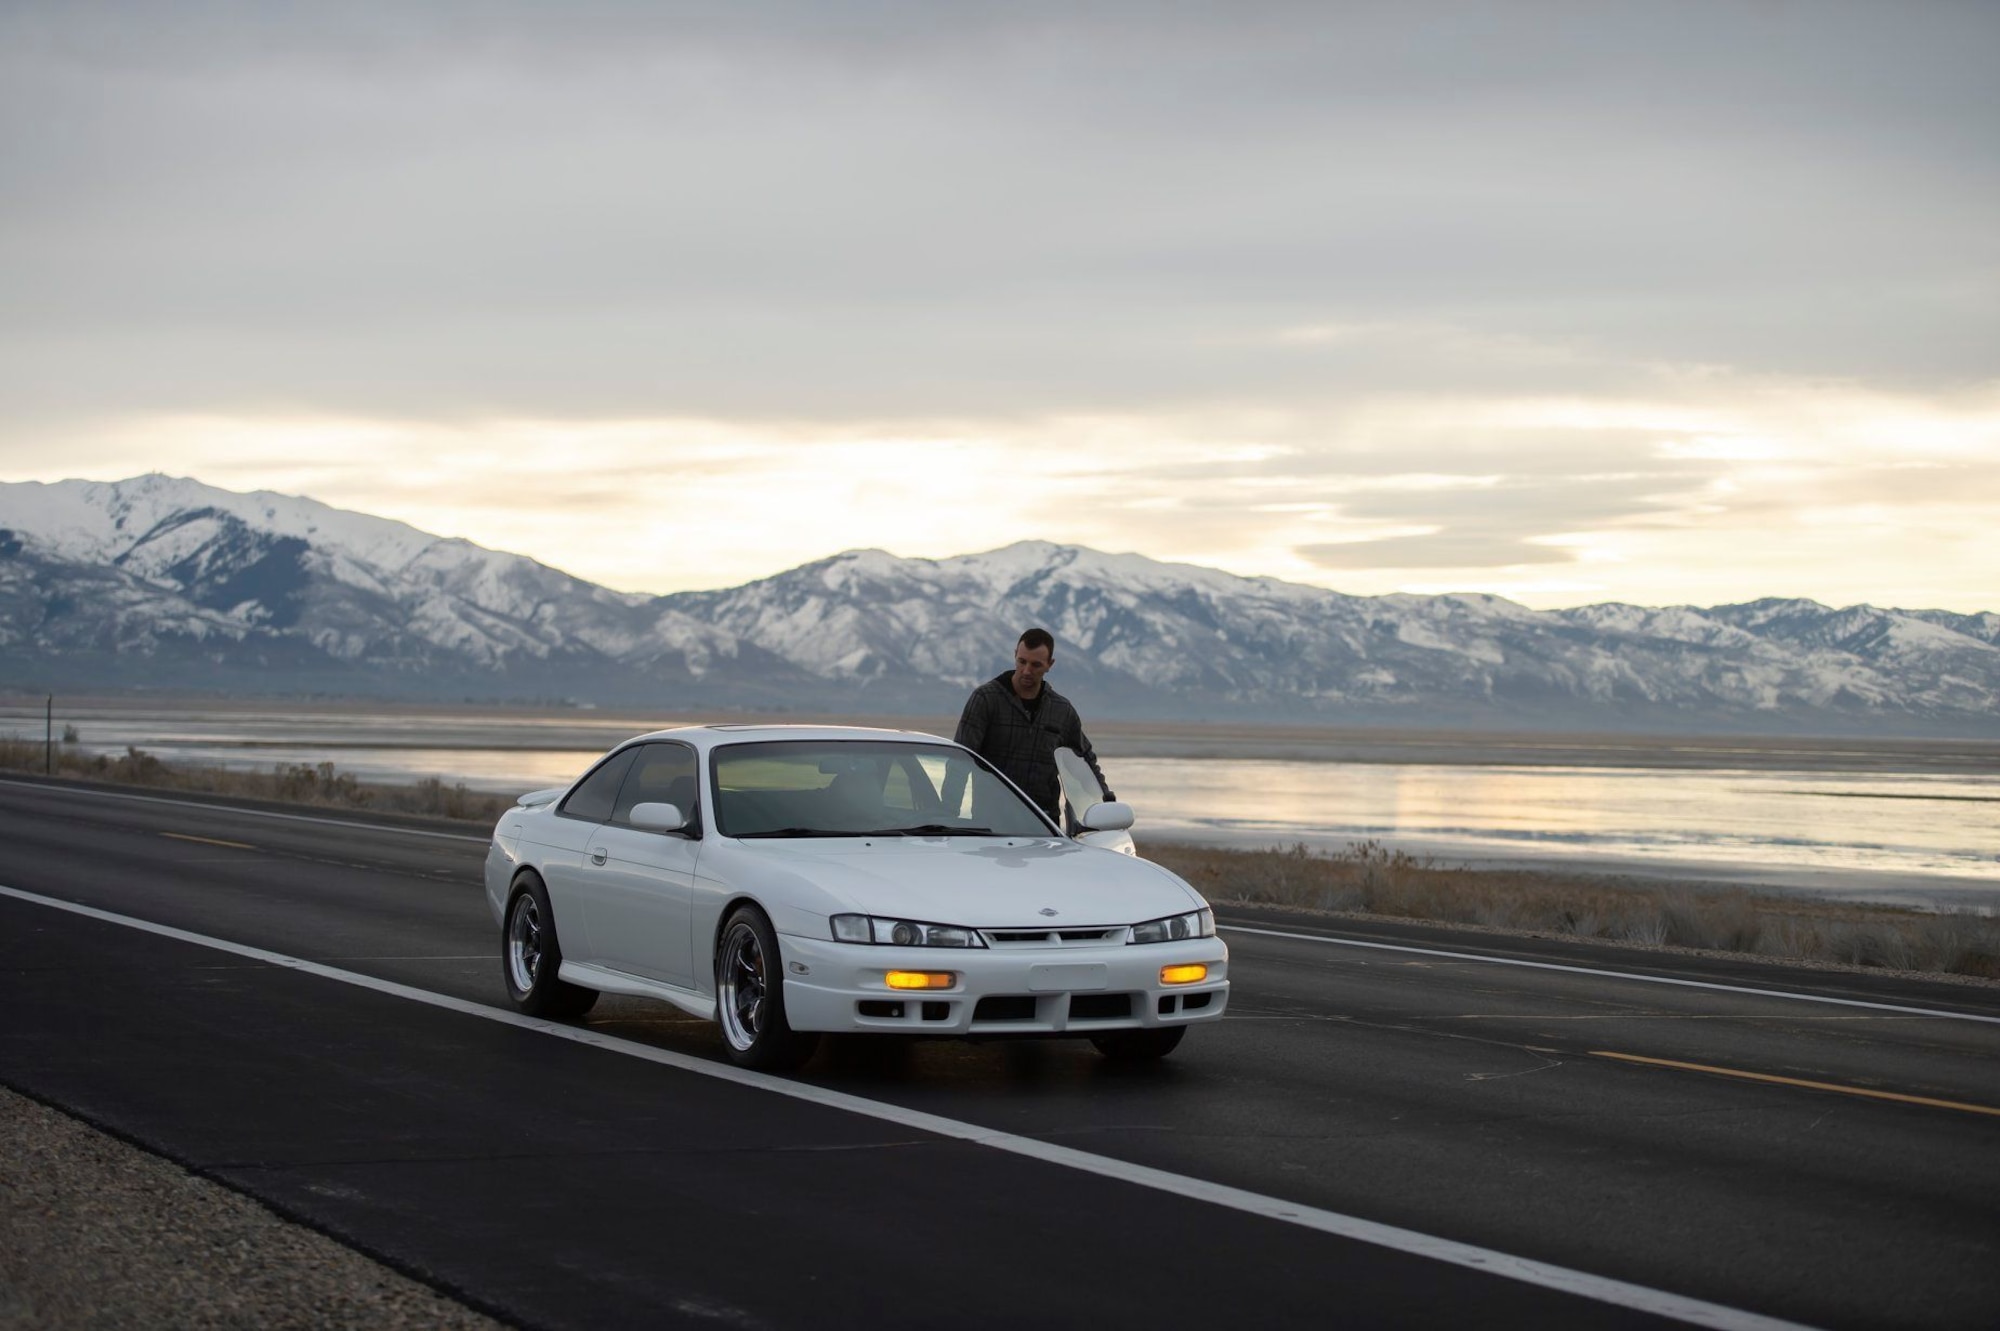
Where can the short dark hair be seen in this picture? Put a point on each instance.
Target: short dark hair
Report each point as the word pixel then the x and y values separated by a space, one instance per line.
pixel 1034 638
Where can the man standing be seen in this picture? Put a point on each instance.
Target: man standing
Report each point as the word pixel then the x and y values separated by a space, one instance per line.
pixel 1017 722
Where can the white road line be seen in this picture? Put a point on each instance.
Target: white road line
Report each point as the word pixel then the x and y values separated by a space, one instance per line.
pixel 1614 975
pixel 251 813
pixel 1581 1284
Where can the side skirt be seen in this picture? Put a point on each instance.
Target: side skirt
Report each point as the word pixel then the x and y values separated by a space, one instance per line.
pixel 617 982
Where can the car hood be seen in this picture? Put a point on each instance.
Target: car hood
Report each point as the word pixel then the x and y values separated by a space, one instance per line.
pixel 978 881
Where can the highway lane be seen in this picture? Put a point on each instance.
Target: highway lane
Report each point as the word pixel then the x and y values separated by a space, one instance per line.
pixel 1477 1102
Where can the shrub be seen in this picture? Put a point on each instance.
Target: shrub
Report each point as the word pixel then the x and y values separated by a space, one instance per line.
pixel 298 783
pixel 1367 877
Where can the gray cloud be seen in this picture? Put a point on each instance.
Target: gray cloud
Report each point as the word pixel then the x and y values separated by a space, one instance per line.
pixel 1453 550
pixel 1291 259
pixel 1497 525
pixel 901 210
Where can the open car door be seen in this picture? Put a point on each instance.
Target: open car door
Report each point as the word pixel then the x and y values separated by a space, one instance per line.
pixel 1089 817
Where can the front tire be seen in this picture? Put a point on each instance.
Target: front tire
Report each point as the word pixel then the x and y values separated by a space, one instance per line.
pixel 750 997
pixel 1142 1046
pixel 531 954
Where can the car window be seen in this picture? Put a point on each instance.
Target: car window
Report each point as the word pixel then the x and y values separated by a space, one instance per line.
pixel 897 792
pixel 946 773
pixel 662 774
pixel 596 793
pixel 862 787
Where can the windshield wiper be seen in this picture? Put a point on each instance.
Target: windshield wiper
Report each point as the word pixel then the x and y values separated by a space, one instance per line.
pixel 932 829
pixel 799 832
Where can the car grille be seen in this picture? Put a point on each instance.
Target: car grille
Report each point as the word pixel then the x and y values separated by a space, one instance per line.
pixel 1054 937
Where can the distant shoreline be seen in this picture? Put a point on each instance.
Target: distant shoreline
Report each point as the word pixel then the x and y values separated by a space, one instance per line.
pixel 557 728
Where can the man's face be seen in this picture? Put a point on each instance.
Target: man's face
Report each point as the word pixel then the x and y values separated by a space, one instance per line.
pixel 1030 664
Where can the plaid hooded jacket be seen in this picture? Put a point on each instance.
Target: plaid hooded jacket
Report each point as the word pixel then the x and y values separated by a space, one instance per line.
pixel 996 726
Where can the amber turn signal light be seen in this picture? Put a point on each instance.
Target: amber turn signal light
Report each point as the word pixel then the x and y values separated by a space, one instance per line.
pixel 1187 974
pixel 921 979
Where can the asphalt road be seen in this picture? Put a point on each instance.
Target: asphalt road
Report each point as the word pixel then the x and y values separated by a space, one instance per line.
pixel 1819 1152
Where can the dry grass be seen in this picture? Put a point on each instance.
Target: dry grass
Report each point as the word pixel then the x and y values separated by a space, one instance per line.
pixel 292 783
pixel 1372 879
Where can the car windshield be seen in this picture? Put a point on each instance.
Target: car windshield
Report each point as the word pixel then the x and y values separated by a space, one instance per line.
pixel 803 788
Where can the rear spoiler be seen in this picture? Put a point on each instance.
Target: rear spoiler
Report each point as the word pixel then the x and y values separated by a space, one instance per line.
pixel 535 798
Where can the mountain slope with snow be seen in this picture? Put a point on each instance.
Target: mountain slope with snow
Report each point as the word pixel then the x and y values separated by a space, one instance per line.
pixel 161 582
pixel 1179 638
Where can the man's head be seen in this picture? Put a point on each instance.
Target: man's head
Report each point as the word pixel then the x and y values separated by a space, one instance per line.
pixel 1033 655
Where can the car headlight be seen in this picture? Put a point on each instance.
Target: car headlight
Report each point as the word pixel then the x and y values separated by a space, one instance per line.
pixel 902 933
pixel 1194 924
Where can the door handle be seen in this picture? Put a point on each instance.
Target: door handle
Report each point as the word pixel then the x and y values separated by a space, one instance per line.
pixel 597 857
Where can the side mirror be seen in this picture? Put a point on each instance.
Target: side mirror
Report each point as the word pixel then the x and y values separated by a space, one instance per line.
pixel 657 817
pixel 1110 816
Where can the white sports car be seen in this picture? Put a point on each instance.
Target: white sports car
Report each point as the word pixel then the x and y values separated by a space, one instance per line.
pixel 793 880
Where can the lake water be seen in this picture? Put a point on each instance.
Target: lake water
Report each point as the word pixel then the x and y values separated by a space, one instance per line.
pixel 1921 836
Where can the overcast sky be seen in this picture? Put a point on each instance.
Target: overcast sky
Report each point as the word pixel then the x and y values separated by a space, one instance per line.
pixel 1579 301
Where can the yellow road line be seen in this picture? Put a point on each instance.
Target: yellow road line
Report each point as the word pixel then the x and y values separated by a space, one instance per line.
pixel 1795 1081
pixel 209 841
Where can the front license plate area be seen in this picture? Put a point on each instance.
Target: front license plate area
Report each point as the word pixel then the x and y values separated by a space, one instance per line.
pixel 1076 976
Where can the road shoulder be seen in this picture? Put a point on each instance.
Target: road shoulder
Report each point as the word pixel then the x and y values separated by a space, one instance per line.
pixel 95 1232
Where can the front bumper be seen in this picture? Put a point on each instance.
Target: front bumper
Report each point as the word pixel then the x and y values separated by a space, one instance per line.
pixel 1076 990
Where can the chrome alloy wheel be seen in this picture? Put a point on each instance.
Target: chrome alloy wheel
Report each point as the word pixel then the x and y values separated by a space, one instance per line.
pixel 524 943
pixel 741 978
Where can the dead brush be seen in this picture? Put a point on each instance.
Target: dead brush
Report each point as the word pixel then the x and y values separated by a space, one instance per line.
pixel 1370 878
pixel 320 784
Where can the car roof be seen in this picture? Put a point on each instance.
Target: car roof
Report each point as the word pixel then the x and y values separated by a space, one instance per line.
pixel 712 735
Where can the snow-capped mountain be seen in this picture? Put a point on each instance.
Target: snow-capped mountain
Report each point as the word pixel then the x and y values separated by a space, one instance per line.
pixel 1180 640
pixel 169 583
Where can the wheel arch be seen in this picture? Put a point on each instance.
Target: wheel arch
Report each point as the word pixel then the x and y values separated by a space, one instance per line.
pixel 735 902
pixel 518 884
pixel 515 886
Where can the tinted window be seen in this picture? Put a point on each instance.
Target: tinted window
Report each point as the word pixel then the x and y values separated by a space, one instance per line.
pixel 662 774
pixel 861 788
pixel 594 797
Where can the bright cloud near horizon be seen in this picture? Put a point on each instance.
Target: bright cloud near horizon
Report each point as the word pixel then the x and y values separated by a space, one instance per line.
pixel 1658 302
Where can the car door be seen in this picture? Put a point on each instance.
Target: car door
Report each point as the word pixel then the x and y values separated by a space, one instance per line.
pixel 642 878
pixel 1082 793
pixel 562 851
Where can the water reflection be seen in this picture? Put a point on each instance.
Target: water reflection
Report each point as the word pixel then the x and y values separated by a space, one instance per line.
pixel 1868 833
pixel 1845 822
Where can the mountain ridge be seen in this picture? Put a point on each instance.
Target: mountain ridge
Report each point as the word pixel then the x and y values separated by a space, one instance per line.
pixel 160 581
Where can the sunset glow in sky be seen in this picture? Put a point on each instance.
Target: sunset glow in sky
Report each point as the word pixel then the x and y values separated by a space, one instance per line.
pixel 1646 302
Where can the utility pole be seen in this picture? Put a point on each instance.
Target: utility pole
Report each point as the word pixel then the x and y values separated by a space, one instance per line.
pixel 49 737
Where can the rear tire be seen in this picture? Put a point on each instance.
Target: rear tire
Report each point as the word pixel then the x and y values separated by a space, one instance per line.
pixel 531 954
pixel 750 997
pixel 1141 1046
